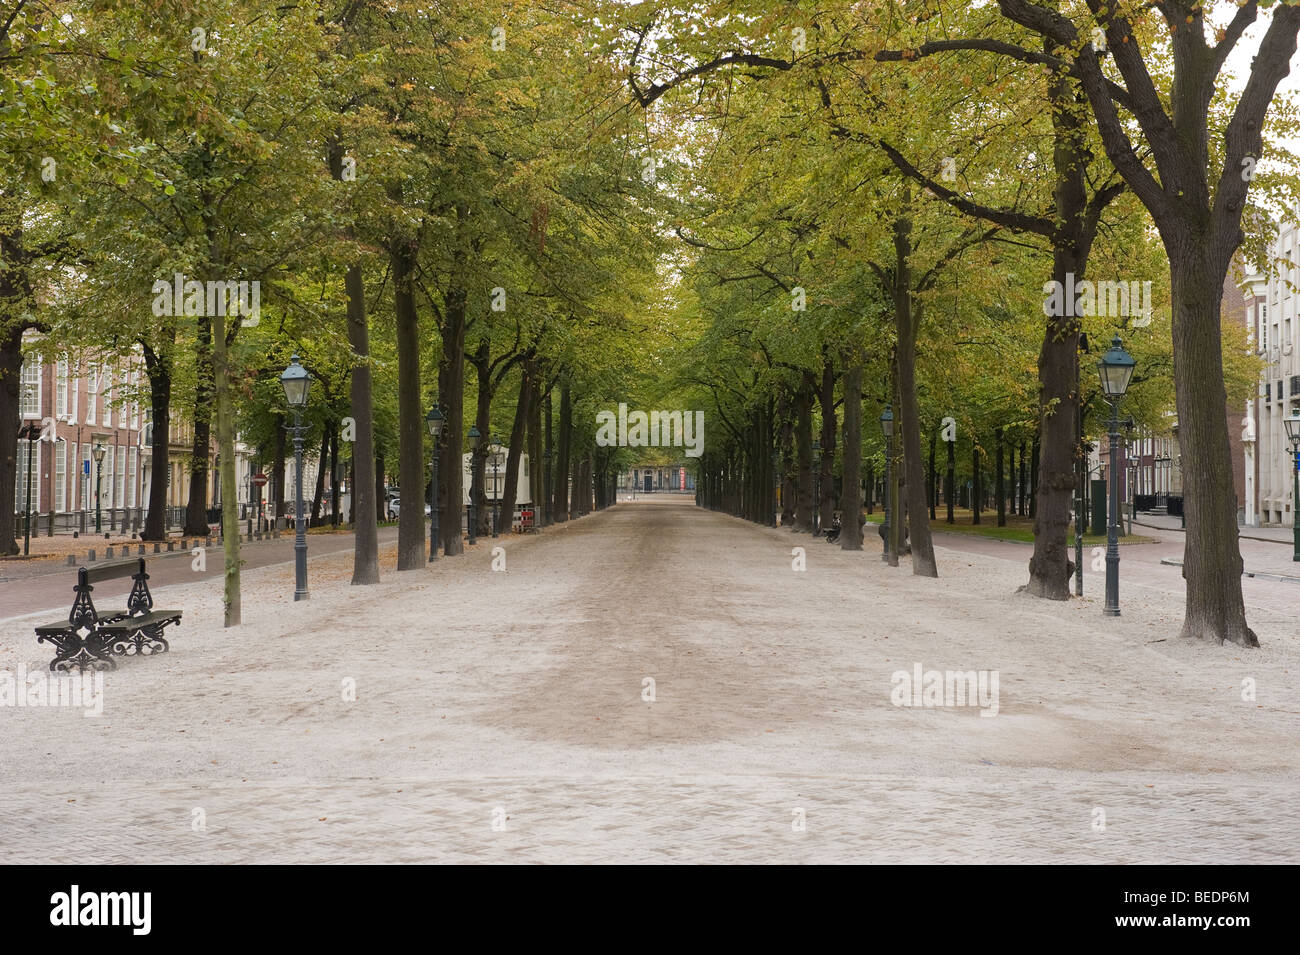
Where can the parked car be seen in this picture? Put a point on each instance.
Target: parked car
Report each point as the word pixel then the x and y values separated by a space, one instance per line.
pixel 395 507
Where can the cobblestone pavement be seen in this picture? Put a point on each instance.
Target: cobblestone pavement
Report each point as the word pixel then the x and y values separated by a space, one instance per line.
pixel 504 716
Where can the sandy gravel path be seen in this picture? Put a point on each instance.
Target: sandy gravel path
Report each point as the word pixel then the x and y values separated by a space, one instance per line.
pixel 499 716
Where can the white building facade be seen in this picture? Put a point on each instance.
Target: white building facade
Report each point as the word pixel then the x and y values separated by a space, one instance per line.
pixel 1273 314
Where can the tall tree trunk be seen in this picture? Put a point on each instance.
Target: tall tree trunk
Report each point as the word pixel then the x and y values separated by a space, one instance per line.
pixel 826 479
pixel 11 367
pixel 510 488
pixel 321 463
pixel 365 495
pixel 560 492
pixel 933 489
pixel 196 511
pixel 851 500
pixel 803 401
pixel 365 501
pixel 410 412
pixel 158 369
pixel 952 479
pixel 532 375
pixel 226 452
pixel 1021 482
pixel 907 320
pixel 1215 609
pixel 1033 477
pixel 1058 372
pixel 576 493
pixel 451 393
pixel 547 463
pixel 279 467
pixel 1011 475
pixel 1050 567
pixel 481 360
pixel 334 474
pixel 1000 480
pixel 785 459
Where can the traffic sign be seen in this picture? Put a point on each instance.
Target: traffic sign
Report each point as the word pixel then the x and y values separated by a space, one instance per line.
pixel 260 480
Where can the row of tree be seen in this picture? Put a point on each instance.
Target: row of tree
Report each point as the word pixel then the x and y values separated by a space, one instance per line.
pixel 889 190
pixel 439 204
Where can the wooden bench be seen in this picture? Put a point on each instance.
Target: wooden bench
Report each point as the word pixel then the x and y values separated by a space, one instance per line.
pixel 87 640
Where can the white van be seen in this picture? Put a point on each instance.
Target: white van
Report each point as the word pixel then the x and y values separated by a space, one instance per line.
pixel 495 484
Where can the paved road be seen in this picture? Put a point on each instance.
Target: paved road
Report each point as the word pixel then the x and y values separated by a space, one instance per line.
pixel 50 590
pixel 462 713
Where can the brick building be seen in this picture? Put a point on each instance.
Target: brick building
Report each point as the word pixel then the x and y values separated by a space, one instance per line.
pixel 77 405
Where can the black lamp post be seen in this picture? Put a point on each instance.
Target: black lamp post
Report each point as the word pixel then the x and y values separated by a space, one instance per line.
pixel 474 437
pixel 887 429
pixel 1116 370
pixel 1292 425
pixel 434 420
pixel 296 383
pixel 817 481
pixel 99 473
pixel 495 446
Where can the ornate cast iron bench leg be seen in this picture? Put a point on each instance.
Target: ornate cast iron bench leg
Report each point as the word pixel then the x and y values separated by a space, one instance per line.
pixel 141 641
pixel 79 643
pixel 75 650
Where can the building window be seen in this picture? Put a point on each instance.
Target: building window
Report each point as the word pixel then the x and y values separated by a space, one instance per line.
pixel 135 406
pixel 61 475
pixel 106 481
pixel 133 458
pixel 87 478
pixel 61 390
pixel 110 395
pixel 92 392
pixel 29 405
pixel 119 485
pixel 23 475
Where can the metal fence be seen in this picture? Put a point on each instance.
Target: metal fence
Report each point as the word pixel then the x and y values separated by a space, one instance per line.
pixel 120 520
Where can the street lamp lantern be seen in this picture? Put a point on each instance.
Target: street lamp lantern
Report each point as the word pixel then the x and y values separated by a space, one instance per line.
pixel 1116 370
pixel 474 437
pixel 434 420
pixel 1292 426
pixel 887 422
pixel 296 382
